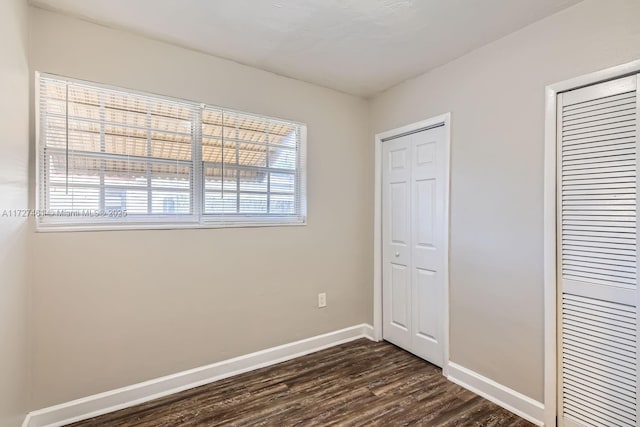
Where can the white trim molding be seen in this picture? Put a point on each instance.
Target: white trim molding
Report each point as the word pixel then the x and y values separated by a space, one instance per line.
pixel 550 238
pixel 521 405
pixel 444 120
pixel 114 400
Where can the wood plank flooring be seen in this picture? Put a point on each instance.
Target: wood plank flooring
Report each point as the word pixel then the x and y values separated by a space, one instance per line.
pixel 361 383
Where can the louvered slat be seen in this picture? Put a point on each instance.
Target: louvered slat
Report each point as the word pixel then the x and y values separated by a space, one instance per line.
pixel 596 106
pixel 599 360
pixel 598 253
pixel 578 169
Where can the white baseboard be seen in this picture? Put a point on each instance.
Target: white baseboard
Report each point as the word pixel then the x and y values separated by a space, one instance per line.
pixel 521 405
pixel 114 400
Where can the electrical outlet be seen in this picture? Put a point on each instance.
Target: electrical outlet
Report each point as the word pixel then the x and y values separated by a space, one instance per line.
pixel 322 300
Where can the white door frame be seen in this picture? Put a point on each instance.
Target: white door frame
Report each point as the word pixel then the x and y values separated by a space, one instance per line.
pixel 444 120
pixel 550 237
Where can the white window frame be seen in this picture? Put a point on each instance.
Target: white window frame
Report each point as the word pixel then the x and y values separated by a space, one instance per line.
pixel 198 219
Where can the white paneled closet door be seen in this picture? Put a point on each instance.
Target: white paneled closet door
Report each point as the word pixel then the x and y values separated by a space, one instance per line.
pixel 597 255
pixel 413 251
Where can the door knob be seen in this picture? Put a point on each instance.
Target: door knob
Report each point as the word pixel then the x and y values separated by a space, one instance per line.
pixel 397 254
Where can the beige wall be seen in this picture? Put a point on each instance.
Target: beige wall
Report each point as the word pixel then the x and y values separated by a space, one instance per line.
pixel 115 308
pixel 496 96
pixel 14 145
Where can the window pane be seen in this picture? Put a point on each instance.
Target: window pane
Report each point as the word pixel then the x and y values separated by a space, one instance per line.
pixel 72 198
pixel 136 202
pixel 115 150
pixel 282 205
pixel 120 172
pixel 221 203
pixel 213 179
pixel 282 158
pixel 127 183
pixel 283 183
pixel 170 146
pixel 251 180
pixel 170 176
pixel 126 145
pixel 83 136
pixel 132 175
pixel 253 203
pixel 255 151
pixel 81 170
pixel 229 154
pixel 170 202
pixel 246 128
pixel 211 150
pixel 283 134
pixel 252 155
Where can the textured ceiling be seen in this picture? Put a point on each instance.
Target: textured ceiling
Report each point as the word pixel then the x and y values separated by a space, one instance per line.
pixel 356 46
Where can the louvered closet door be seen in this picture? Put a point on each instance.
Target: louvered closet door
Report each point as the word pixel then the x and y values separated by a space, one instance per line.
pixel 598 257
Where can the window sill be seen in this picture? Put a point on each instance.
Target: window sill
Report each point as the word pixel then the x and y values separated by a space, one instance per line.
pixel 65 228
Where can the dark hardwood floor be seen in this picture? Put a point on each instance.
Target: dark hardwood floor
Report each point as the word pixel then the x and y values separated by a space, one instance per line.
pixel 355 384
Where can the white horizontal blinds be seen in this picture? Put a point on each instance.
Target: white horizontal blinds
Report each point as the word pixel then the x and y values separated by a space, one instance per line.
pixel 252 166
pixel 107 150
pixel 104 151
pixel 598 254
